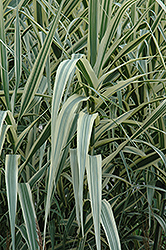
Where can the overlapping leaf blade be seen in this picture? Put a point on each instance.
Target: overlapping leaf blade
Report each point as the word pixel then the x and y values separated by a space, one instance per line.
pixel 84 129
pixel 37 71
pixel 60 137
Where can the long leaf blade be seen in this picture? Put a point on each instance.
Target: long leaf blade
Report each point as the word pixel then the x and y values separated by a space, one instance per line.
pixel 84 129
pixel 17 57
pixel 29 215
pixel 37 71
pixel 94 175
pixel 60 137
pixel 3 59
pixel 109 225
pixel 11 178
pixel 75 178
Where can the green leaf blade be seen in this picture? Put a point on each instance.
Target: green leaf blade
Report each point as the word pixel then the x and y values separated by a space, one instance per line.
pixel 94 175
pixel 11 178
pixel 29 215
pixel 84 130
pixel 109 225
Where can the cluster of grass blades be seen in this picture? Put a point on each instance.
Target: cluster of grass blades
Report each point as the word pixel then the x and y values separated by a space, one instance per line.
pixel 82 124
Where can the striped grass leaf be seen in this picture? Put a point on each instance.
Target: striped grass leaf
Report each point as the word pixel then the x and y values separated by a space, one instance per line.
pixel 11 178
pixel 115 88
pixel 88 72
pixel 61 128
pixel 12 132
pixel 93 30
pixel 154 116
pixel 55 42
pixel 109 225
pixel 112 124
pixel 84 130
pixel 2 118
pixel 37 176
pixel 38 67
pixel 134 150
pixel 150 194
pixel 23 232
pixel 163 6
pixel 161 221
pixel 17 59
pixel 130 47
pixel 157 150
pixel 149 160
pixel 29 215
pixel 94 176
pixel 64 71
pixel 110 33
pixel 82 244
pixel 45 134
pixel 3 133
pixel 120 85
pixel 3 59
pixel 39 95
pixel 106 9
pixel 25 132
pixel 149 121
pixel 75 178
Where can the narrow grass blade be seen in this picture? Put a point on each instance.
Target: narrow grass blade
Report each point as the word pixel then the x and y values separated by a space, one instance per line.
pixel 163 6
pixel 23 232
pixel 75 178
pixel 38 143
pixel 11 178
pixel 161 221
pixel 149 121
pixel 84 129
pixel 37 70
pixel 93 30
pixel 2 118
pixel 110 33
pixel 106 9
pixel 156 114
pixel 17 58
pixel 88 72
pixel 3 59
pixel 150 194
pixel 3 133
pixel 37 176
pixel 29 215
pixel 109 225
pixel 94 175
pixel 112 124
pixel 130 47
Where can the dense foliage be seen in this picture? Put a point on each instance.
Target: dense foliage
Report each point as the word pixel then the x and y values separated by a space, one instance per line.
pixel 82 124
